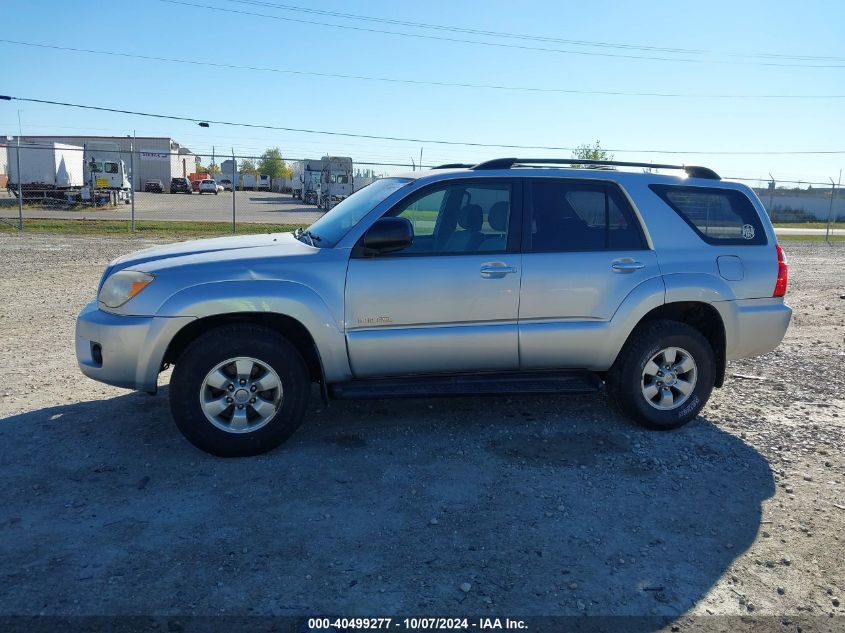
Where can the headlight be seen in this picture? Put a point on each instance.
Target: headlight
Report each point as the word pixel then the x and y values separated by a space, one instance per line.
pixel 122 286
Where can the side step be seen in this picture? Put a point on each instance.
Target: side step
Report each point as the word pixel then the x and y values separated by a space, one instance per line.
pixel 580 382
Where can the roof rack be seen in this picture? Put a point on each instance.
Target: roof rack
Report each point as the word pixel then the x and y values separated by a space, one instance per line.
pixel 506 163
pixel 453 166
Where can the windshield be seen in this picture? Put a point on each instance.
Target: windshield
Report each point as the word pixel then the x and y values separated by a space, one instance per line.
pixel 335 224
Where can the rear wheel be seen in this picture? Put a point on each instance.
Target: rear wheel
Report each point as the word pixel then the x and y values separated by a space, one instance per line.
pixel 239 390
pixel 664 375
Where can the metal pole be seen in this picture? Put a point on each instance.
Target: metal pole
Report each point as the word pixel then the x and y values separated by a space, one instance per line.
pixel 830 211
pixel 771 198
pixel 421 157
pixel 20 189
pixel 234 169
pixel 132 180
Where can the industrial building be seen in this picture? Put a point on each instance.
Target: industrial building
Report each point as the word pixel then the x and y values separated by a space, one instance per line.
pixel 155 157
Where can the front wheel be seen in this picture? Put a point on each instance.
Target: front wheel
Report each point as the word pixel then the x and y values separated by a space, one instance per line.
pixel 664 375
pixel 239 390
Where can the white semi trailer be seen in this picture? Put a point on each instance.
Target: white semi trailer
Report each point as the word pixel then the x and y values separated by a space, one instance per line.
pixel 68 172
pixel 45 167
pixel 306 179
pixel 336 181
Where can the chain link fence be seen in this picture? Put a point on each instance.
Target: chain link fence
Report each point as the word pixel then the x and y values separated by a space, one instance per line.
pixel 106 187
pixel 67 188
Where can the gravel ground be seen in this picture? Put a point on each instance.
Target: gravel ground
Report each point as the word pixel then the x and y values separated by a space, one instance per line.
pixel 509 506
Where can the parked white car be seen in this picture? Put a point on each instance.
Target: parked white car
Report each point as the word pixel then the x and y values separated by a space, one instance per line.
pixel 207 185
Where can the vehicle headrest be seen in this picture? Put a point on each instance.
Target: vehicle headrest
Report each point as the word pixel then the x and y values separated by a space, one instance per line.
pixel 498 216
pixel 471 217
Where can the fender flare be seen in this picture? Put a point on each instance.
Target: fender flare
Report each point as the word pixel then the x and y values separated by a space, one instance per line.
pixel 287 298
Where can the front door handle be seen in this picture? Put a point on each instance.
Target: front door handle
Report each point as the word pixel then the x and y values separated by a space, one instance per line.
pixel 626 265
pixel 496 270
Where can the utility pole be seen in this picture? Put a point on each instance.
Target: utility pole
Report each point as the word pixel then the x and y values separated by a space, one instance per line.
pixel 20 189
pixel 771 197
pixel 132 180
pixel 830 209
pixel 421 149
pixel 234 170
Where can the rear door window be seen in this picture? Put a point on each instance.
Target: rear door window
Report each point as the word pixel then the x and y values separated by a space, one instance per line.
pixel 718 216
pixel 570 215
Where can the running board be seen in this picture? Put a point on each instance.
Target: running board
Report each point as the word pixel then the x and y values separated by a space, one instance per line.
pixel 468 385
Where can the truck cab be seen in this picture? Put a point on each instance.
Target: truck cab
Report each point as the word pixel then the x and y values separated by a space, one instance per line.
pixel 336 181
pixel 105 169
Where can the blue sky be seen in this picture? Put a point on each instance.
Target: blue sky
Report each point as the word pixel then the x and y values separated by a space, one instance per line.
pixel 732 31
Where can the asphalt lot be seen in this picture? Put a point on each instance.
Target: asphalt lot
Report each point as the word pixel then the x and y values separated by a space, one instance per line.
pixel 497 506
pixel 250 206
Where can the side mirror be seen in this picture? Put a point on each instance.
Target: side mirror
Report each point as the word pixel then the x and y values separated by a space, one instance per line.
pixel 388 235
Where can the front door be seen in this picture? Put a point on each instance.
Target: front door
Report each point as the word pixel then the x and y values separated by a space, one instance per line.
pixel 584 252
pixel 449 302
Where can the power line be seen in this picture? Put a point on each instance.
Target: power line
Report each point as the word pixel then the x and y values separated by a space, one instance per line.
pixel 418 82
pixel 404 139
pixel 522 36
pixel 494 44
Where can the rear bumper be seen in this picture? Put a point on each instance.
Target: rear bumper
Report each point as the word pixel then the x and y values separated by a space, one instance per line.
pixel 124 351
pixel 757 326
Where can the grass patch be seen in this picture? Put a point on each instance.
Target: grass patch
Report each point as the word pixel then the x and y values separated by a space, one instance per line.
pixel 808 225
pixel 143 228
pixel 809 238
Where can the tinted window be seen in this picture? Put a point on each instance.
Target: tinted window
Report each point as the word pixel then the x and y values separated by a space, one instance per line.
pixel 580 216
pixel 719 216
pixel 459 218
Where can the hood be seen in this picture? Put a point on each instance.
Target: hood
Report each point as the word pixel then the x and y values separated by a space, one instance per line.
pixel 282 243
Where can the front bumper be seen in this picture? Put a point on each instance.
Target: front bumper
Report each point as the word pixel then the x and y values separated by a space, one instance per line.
pixel 124 351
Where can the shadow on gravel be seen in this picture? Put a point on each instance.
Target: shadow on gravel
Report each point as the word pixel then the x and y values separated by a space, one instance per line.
pixel 545 506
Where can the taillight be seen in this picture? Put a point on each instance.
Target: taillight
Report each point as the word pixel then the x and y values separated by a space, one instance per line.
pixel 783 273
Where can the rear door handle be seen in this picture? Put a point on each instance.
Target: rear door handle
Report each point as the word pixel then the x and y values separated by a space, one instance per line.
pixel 496 270
pixel 626 265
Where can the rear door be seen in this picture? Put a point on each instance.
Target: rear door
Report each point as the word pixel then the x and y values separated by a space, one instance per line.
pixel 449 302
pixel 584 251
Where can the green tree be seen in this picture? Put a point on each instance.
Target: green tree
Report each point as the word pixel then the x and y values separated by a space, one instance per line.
pixel 271 163
pixel 591 152
pixel 213 169
pixel 248 167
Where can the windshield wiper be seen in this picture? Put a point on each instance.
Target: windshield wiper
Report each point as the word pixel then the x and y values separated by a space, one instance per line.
pixel 298 233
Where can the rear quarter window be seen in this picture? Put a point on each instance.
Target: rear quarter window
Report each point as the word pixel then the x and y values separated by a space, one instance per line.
pixel 718 216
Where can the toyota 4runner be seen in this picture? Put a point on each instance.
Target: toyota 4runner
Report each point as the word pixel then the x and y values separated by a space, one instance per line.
pixel 511 276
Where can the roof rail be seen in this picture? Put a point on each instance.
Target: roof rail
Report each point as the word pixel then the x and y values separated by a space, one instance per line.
pixel 453 166
pixel 506 163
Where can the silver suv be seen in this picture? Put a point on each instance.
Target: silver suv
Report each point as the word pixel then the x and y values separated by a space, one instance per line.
pixel 511 276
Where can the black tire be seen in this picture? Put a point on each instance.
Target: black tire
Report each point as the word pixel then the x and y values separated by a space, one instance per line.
pixel 217 346
pixel 626 376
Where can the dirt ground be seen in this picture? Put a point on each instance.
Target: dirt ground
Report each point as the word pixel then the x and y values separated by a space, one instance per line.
pixel 493 507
